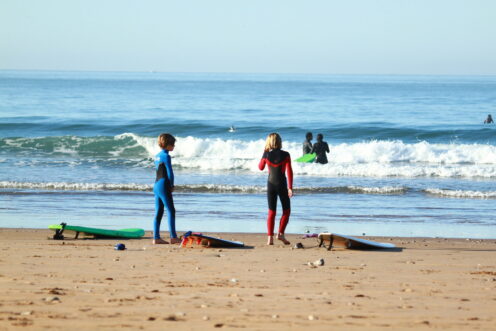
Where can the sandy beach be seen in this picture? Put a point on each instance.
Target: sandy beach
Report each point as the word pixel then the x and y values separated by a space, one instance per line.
pixel 85 284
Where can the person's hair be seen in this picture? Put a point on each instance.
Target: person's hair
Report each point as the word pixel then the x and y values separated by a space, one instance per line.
pixel 320 137
pixel 273 141
pixel 309 136
pixel 165 139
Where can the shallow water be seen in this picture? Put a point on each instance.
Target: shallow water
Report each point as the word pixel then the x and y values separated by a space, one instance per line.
pixel 409 154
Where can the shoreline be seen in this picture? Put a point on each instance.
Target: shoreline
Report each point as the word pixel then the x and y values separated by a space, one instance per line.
pixel 298 236
pixel 446 283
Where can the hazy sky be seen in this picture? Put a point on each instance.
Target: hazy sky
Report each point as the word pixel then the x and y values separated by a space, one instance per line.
pixel 274 36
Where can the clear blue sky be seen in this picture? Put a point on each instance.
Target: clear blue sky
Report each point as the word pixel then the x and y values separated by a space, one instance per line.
pixel 274 36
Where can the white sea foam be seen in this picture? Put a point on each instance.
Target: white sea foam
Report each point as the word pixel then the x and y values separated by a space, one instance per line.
pixel 363 159
pixel 462 193
pixel 149 144
pixel 220 188
pixel 379 190
pixel 66 150
pixel 367 159
pixel 74 186
pixel 196 188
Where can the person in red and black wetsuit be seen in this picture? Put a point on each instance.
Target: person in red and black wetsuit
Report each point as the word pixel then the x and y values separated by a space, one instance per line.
pixel 279 164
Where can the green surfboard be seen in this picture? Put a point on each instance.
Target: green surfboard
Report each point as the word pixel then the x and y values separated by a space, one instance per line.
pixel 122 233
pixel 307 158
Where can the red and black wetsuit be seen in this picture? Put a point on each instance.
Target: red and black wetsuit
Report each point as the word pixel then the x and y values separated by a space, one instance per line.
pixel 279 163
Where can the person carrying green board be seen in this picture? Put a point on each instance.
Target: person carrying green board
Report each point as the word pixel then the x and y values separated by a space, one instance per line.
pixel 307 157
pixel 307 144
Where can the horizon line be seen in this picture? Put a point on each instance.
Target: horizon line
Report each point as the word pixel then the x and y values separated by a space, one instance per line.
pixel 247 73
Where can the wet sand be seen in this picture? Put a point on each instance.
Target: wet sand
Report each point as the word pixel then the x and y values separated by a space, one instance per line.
pixel 85 284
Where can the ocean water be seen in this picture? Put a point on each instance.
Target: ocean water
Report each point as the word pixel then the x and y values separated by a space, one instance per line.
pixel 409 155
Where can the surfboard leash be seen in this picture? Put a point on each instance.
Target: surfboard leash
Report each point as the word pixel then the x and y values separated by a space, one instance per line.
pixel 331 241
pixel 58 233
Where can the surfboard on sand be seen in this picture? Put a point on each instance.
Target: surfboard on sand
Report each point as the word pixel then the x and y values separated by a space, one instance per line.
pixel 334 239
pixel 190 238
pixel 95 232
pixel 307 158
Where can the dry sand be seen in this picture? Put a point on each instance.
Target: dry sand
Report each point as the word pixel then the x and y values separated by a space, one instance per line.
pixel 85 284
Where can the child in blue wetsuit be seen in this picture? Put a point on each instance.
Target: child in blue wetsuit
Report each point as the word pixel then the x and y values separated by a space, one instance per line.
pixel 163 188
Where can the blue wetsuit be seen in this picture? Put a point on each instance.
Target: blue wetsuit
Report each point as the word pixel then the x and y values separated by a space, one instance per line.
pixel 163 194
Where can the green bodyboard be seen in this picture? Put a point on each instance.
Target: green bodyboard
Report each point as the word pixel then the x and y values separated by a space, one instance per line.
pixel 123 233
pixel 307 158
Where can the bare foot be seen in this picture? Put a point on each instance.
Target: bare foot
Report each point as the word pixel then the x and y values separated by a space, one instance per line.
pixel 280 237
pixel 159 241
pixel 270 240
pixel 175 241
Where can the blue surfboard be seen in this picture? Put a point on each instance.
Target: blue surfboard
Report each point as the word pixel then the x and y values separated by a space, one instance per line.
pixel 335 239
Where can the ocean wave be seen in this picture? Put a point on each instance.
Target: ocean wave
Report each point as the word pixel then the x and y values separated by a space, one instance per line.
pixel 195 188
pixel 341 132
pixel 461 193
pixel 376 169
pixel 65 186
pixel 363 159
pixel 378 190
pixel 380 151
pixel 240 189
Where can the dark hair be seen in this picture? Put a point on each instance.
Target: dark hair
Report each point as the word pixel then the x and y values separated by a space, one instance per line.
pixel 320 137
pixel 166 139
pixel 309 136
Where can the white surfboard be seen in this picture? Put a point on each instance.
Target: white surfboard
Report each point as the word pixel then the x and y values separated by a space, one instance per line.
pixel 350 242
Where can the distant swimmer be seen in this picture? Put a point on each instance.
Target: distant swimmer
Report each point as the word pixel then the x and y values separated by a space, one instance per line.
pixel 320 148
pixel 232 128
pixel 307 144
pixel 489 119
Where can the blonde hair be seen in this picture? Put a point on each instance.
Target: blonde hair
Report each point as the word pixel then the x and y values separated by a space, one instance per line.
pixel 165 139
pixel 273 141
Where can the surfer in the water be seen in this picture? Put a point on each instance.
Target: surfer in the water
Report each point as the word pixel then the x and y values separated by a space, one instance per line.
pixel 279 164
pixel 489 119
pixel 307 144
pixel 163 188
pixel 320 148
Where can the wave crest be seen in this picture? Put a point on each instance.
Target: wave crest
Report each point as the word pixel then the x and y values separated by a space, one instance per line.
pixel 461 193
pixel 364 159
pixel 195 188
pixel 240 189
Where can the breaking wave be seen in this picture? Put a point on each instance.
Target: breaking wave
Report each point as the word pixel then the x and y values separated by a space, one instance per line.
pixel 363 159
pixel 193 188
pixel 8 186
pixel 461 193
